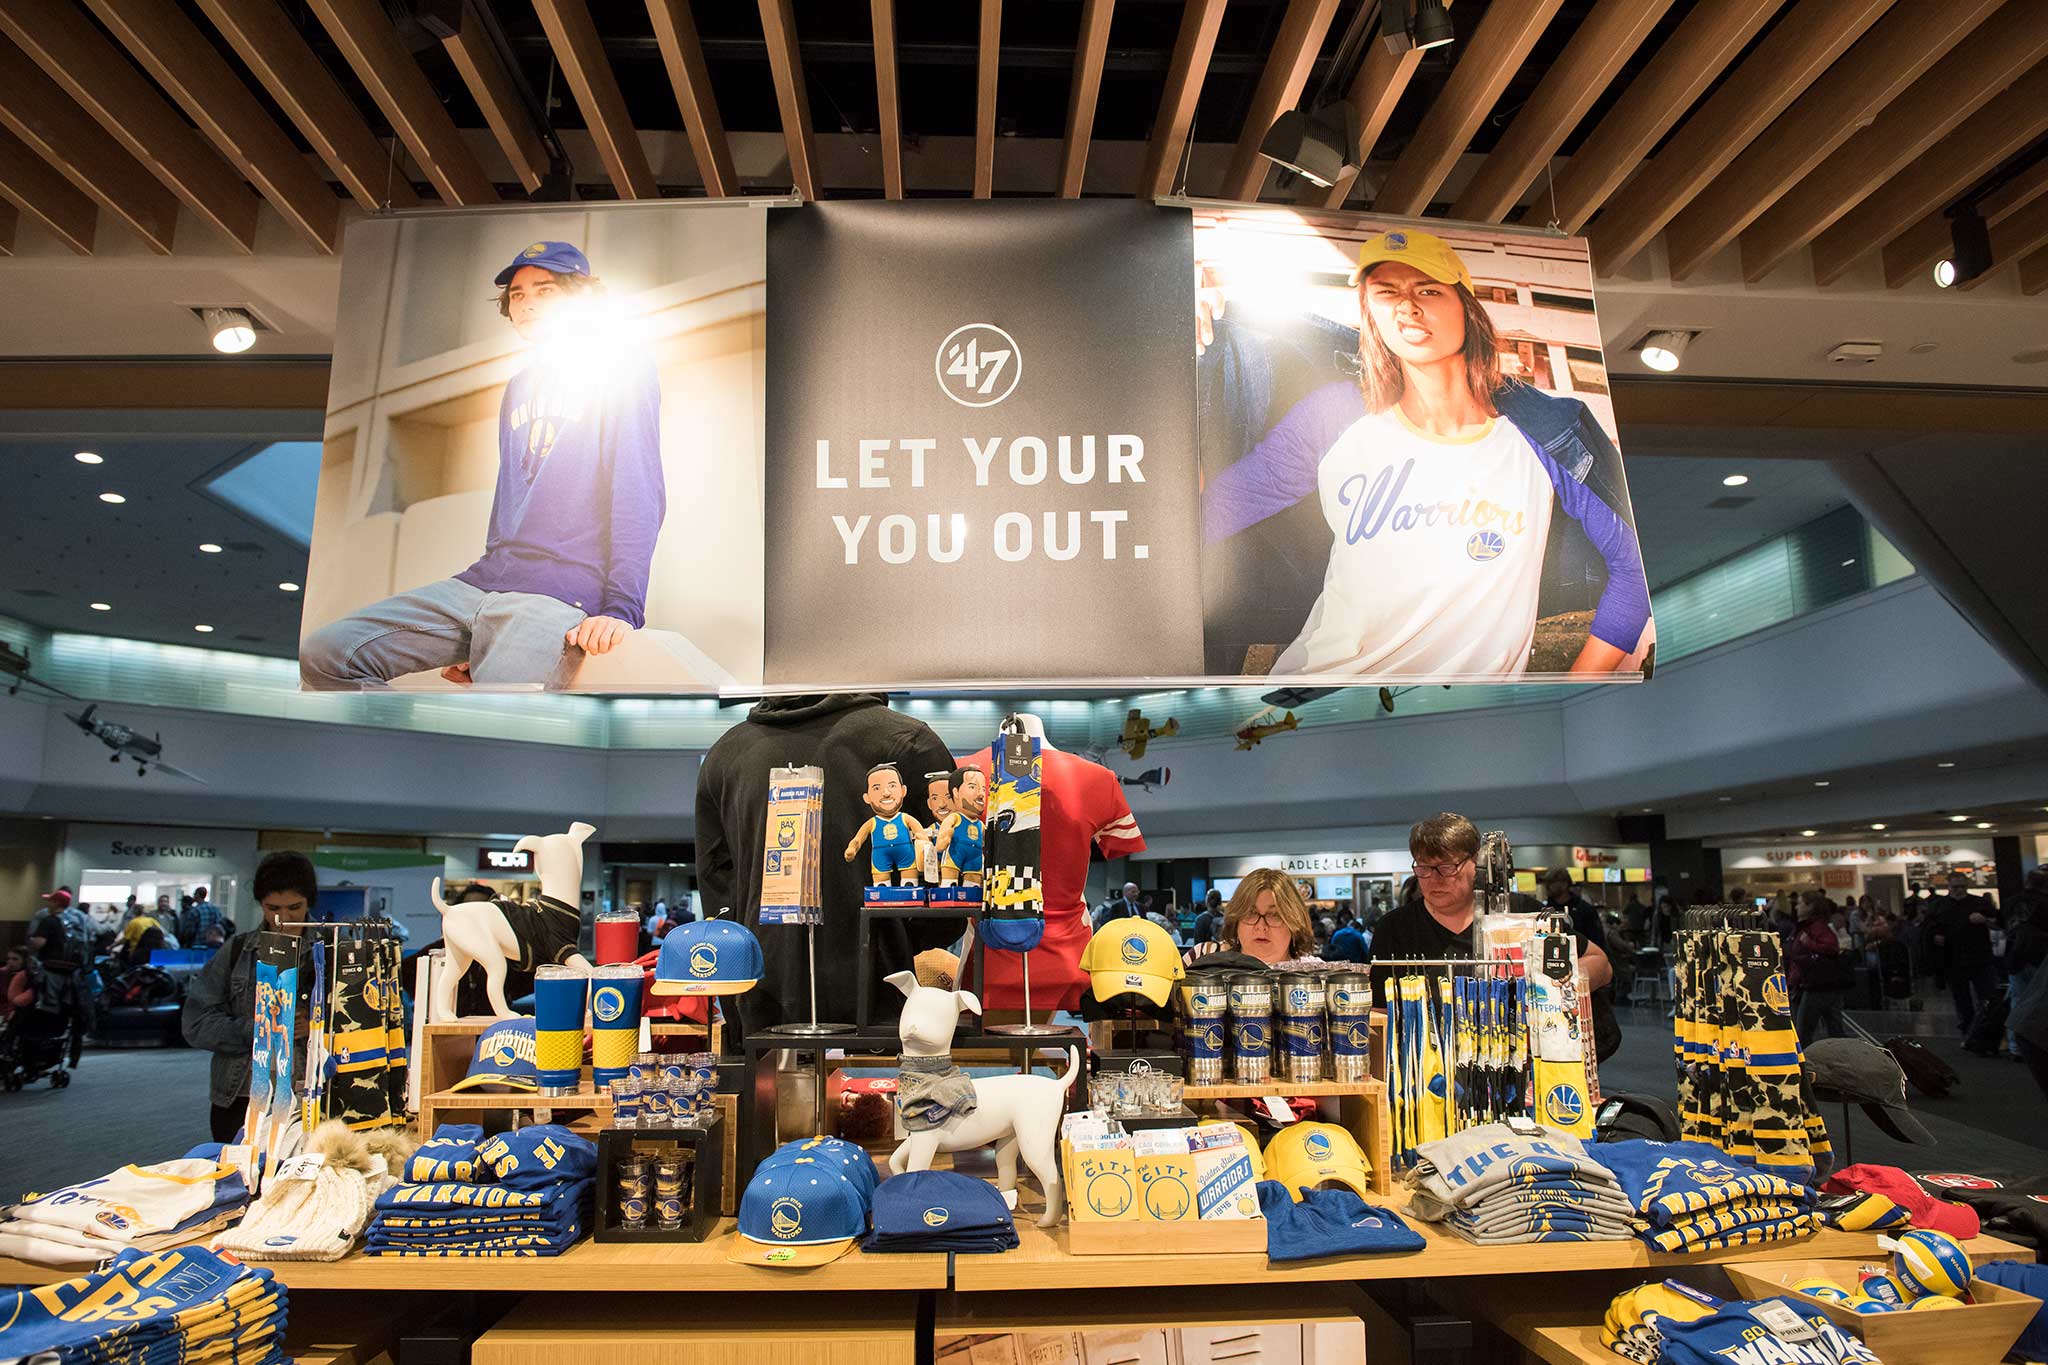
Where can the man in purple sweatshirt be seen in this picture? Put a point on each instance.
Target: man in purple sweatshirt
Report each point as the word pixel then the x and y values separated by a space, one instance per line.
pixel 574 517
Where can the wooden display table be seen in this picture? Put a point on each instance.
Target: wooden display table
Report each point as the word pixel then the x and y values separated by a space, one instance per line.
pixel 690 1329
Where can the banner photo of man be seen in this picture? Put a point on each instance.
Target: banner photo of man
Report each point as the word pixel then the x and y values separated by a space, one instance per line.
pixel 542 456
pixel 1408 456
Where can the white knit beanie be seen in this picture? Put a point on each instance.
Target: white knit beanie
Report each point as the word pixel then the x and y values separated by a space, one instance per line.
pixel 319 1215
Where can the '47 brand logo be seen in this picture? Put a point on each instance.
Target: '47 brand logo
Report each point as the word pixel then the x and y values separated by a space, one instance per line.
pixel 978 365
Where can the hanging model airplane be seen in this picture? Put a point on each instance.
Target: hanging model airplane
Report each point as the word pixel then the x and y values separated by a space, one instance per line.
pixel 1138 732
pixel 145 753
pixel 1251 734
pixel 1151 779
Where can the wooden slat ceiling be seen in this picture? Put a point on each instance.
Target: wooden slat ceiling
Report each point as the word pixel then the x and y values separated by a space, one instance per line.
pixel 1828 138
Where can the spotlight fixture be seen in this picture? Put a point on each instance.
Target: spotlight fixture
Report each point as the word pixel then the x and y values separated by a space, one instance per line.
pixel 88 457
pixel 114 498
pixel 101 606
pixel 1983 824
pixel 1318 145
pixel 1416 24
pixel 204 630
pixel 1877 826
pixel 1735 481
pixel 1969 249
pixel 1664 351
pixel 233 331
pixel 1958 819
pixel 287 587
pixel 207 547
pixel 1808 833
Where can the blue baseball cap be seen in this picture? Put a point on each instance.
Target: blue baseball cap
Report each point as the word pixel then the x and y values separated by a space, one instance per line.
pixel 800 1213
pixel 538 1156
pixel 1329 1223
pixel 941 1206
pixel 708 957
pixel 1013 935
pixel 848 1158
pixel 562 258
pixel 504 1059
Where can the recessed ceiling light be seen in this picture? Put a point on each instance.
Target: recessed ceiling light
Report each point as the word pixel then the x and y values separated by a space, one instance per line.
pixel 114 498
pixel 1735 481
pixel 1958 819
pixel 101 606
pixel 287 587
pixel 1879 825
pixel 231 329
pixel 1945 765
pixel 209 548
pixel 1983 824
pixel 1809 833
pixel 1820 784
pixel 1724 798
pixel 1664 351
pixel 87 457
pixel 1847 562
pixel 204 630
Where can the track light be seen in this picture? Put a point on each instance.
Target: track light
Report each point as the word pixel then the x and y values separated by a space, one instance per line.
pixel 1664 351
pixel 1432 24
pixel 232 330
pixel 1317 146
pixel 1969 249
pixel 1406 24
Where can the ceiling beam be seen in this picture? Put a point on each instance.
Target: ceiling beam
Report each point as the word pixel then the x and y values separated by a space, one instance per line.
pixel 1485 63
pixel 185 63
pixel 273 49
pixel 2019 232
pixel 1375 90
pixel 1288 64
pixel 372 48
pixel 2001 129
pixel 29 183
pixel 1192 49
pixel 1995 54
pixel 785 64
pixel 81 153
pixel 93 72
pixel 988 58
pixel 1089 51
pixel 482 69
pixel 1685 65
pixel 888 102
pixel 1852 92
pixel 2034 273
pixel 675 30
pixel 1603 42
pixel 1789 59
pixel 10 219
pixel 573 36
pixel 1913 252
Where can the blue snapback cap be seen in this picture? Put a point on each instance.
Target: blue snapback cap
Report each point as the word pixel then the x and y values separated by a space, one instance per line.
pixel 848 1158
pixel 504 1058
pixel 800 1213
pixel 563 258
pixel 936 1204
pixel 708 957
pixel 1013 935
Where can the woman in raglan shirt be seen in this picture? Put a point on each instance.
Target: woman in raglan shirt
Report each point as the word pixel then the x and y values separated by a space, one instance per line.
pixel 1438 479
pixel 575 512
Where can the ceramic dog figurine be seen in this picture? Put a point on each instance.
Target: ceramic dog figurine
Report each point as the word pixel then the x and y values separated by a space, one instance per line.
pixel 500 934
pixel 943 1110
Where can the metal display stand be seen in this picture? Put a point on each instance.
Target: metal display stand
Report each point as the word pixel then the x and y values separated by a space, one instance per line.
pixel 813 1029
pixel 1027 1029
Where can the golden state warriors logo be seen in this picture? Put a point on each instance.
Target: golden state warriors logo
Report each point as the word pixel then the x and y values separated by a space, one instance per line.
pixel 537 249
pixel 1109 1194
pixel 1776 998
pixel 936 1218
pixel 786 1218
pixel 785 832
pixel 607 1004
pixel 1166 1198
pixel 1485 545
pixel 1563 1105
pixel 1316 1147
pixel 703 960
pixel 1297 998
pixel 1133 950
pixel 373 995
pixel 1397 241
pixel 502 1052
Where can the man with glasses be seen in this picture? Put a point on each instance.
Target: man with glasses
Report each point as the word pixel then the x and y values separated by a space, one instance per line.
pixel 1444 848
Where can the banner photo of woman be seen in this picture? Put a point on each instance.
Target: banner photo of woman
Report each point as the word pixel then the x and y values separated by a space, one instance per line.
pixel 1408 456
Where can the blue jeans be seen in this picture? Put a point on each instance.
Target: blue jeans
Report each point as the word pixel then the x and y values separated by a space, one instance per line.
pixel 506 638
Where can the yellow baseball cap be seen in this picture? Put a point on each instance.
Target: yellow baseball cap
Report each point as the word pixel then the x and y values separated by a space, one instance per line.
pixel 1132 954
pixel 1430 254
pixel 1313 1154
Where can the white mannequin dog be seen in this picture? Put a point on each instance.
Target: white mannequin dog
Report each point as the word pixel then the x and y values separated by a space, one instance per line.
pixel 1020 1114
pixel 477 931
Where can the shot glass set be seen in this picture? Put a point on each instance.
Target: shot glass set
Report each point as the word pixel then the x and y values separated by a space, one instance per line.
pixel 663 1089
pixel 1135 1093
pixel 1313 1015
pixel 654 1190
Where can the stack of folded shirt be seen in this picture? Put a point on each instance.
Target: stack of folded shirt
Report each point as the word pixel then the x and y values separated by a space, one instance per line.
pixel 530 1196
pixel 315 1205
pixel 1494 1185
pixel 184 1306
pixel 144 1208
pixel 1689 1196
pixel 939 1211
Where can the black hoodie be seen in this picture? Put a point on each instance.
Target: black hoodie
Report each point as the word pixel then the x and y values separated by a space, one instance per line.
pixel 845 735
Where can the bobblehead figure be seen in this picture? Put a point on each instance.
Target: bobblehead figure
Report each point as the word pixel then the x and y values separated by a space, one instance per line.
pixel 896 850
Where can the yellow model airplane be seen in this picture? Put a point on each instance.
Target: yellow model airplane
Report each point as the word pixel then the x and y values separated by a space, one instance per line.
pixel 1138 732
pixel 1251 734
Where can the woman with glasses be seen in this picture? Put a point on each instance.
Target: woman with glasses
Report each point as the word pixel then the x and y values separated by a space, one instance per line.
pixel 1266 919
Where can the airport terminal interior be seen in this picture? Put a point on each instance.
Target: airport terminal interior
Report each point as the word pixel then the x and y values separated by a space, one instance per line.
pixel 1137 636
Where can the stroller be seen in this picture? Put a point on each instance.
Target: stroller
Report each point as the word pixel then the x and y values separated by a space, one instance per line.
pixel 36 1035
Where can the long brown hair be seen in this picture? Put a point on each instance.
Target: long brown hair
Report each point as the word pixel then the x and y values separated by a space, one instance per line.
pixel 1301 935
pixel 1379 369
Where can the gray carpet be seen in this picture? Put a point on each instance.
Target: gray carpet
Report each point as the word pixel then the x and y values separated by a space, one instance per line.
pixel 130 1104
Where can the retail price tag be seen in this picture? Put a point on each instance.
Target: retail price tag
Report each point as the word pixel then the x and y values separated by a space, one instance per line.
pixel 305 1166
pixel 1523 1126
pixel 1784 1324
pixel 1276 1108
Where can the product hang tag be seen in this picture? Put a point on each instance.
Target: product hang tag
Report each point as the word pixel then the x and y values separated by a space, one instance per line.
pixel 1276 1108
pixel 1523 1126
pixel 1783 1322
pixel 305 1166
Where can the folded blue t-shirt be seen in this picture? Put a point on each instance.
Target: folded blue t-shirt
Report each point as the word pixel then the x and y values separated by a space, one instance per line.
pixel 1329 1223
pixel 1668 1180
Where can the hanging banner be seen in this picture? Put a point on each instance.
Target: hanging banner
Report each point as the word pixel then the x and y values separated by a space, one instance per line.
pixel 696 448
